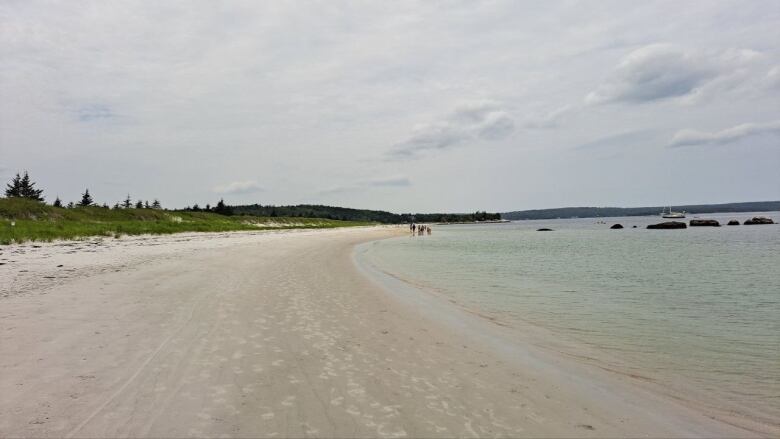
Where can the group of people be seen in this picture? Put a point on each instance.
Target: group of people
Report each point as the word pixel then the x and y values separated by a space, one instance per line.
pixel 419 229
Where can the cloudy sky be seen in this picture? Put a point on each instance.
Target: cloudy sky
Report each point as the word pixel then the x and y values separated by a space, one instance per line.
pixel 402 106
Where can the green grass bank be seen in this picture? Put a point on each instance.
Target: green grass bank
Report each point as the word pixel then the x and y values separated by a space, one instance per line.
pixel 26 220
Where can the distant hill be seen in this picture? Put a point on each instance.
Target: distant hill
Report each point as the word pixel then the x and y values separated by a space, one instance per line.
pixel 601 212
pixel 347 214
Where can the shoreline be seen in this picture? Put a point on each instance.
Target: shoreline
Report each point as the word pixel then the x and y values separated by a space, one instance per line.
pixel 282 334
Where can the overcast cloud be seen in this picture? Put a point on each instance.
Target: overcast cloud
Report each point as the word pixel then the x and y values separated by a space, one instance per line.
pixel 401 106
pixel 688 137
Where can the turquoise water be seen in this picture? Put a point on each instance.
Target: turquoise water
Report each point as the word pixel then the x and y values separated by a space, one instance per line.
pixel 696 308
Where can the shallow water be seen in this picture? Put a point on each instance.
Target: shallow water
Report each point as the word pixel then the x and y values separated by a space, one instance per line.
pixel 697 308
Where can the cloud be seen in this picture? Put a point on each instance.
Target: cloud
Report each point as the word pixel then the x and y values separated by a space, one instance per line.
pixel 665 71
pixel 625 139
pixel 391 182
pixel 688 137
pixel 653 72
pixel 474 121
pixel 238 188
pixel 551 119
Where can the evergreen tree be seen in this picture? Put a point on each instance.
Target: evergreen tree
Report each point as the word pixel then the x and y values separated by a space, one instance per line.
pixel 28 189
pixel 196 208
pixel 23 187
pixel 117 206
pixel 223 209
pixel 208 207
pixel 128 203
pixel 146 204
pixel 57 202
pixel 156 204
pixel 70 205
pixel 86 199
pixel 14 188
pixel 139 205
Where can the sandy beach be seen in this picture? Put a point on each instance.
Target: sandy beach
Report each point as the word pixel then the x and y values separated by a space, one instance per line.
pixel 286 334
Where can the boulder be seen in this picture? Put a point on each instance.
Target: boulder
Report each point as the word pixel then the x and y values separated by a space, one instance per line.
pixel 759 220
pixel 544 230
pixel 704 223
pixel 733 223
pixel 616 226
pixel 668 225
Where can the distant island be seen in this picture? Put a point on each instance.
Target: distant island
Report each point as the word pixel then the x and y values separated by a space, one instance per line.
pixel 603 212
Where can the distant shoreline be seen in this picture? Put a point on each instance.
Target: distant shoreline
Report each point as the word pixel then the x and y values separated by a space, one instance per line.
pixel 611 212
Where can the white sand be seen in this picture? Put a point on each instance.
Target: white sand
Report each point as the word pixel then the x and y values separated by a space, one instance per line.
pixel 280 334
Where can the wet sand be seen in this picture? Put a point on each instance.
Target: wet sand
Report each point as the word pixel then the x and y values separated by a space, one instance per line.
pixel 282 334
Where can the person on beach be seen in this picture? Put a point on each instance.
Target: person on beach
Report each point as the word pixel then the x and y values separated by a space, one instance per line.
pixel 428 228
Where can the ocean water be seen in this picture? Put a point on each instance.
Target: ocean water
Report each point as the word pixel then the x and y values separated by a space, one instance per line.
pixel 691 309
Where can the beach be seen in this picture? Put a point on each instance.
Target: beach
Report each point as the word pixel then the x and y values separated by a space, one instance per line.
pixel 287 334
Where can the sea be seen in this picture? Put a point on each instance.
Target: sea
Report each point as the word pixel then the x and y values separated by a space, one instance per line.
pixel 697 308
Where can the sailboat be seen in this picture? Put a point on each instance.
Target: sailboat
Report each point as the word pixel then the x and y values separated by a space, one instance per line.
pixel 670 214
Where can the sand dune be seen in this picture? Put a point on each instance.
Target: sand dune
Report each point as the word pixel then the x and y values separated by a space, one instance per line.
pixel 277 335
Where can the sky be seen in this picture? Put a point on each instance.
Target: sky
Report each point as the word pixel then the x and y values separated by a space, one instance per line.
pixel 430 106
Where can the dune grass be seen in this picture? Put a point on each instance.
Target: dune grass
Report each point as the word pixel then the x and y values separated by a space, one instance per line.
pixel 26 220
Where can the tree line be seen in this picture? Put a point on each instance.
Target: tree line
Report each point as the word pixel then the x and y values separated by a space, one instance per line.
pixel 21 186
pixel 604 212
pixel 348 214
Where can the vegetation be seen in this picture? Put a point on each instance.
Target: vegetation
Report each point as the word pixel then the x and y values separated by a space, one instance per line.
pixel 343 213
pixel 24 216
pixel 601 212
pixel 86 199
pixel 23 187
pixel 29 220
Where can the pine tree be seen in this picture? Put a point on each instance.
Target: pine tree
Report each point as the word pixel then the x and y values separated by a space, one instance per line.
pixel 139 204
pixel 86 199
pixel 23 187
pixel 146 204
pixel 57 202
pixel 128 203
pixel 156 204
pixel 222 209
pixel 14 188
pixel 70 205
pixel 28 189
pixel 117 206
pixel 208 207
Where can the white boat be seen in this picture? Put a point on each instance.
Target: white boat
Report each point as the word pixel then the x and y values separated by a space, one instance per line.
pixel 670 214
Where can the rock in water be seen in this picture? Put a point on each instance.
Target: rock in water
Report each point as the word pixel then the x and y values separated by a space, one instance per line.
pixel 668 225
pixel 733 223
pixel 616 226
pixel 544 230
pixel 759 220
pixel 704 223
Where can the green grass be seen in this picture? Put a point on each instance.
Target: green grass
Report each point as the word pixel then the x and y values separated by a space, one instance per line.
pixel 26 220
